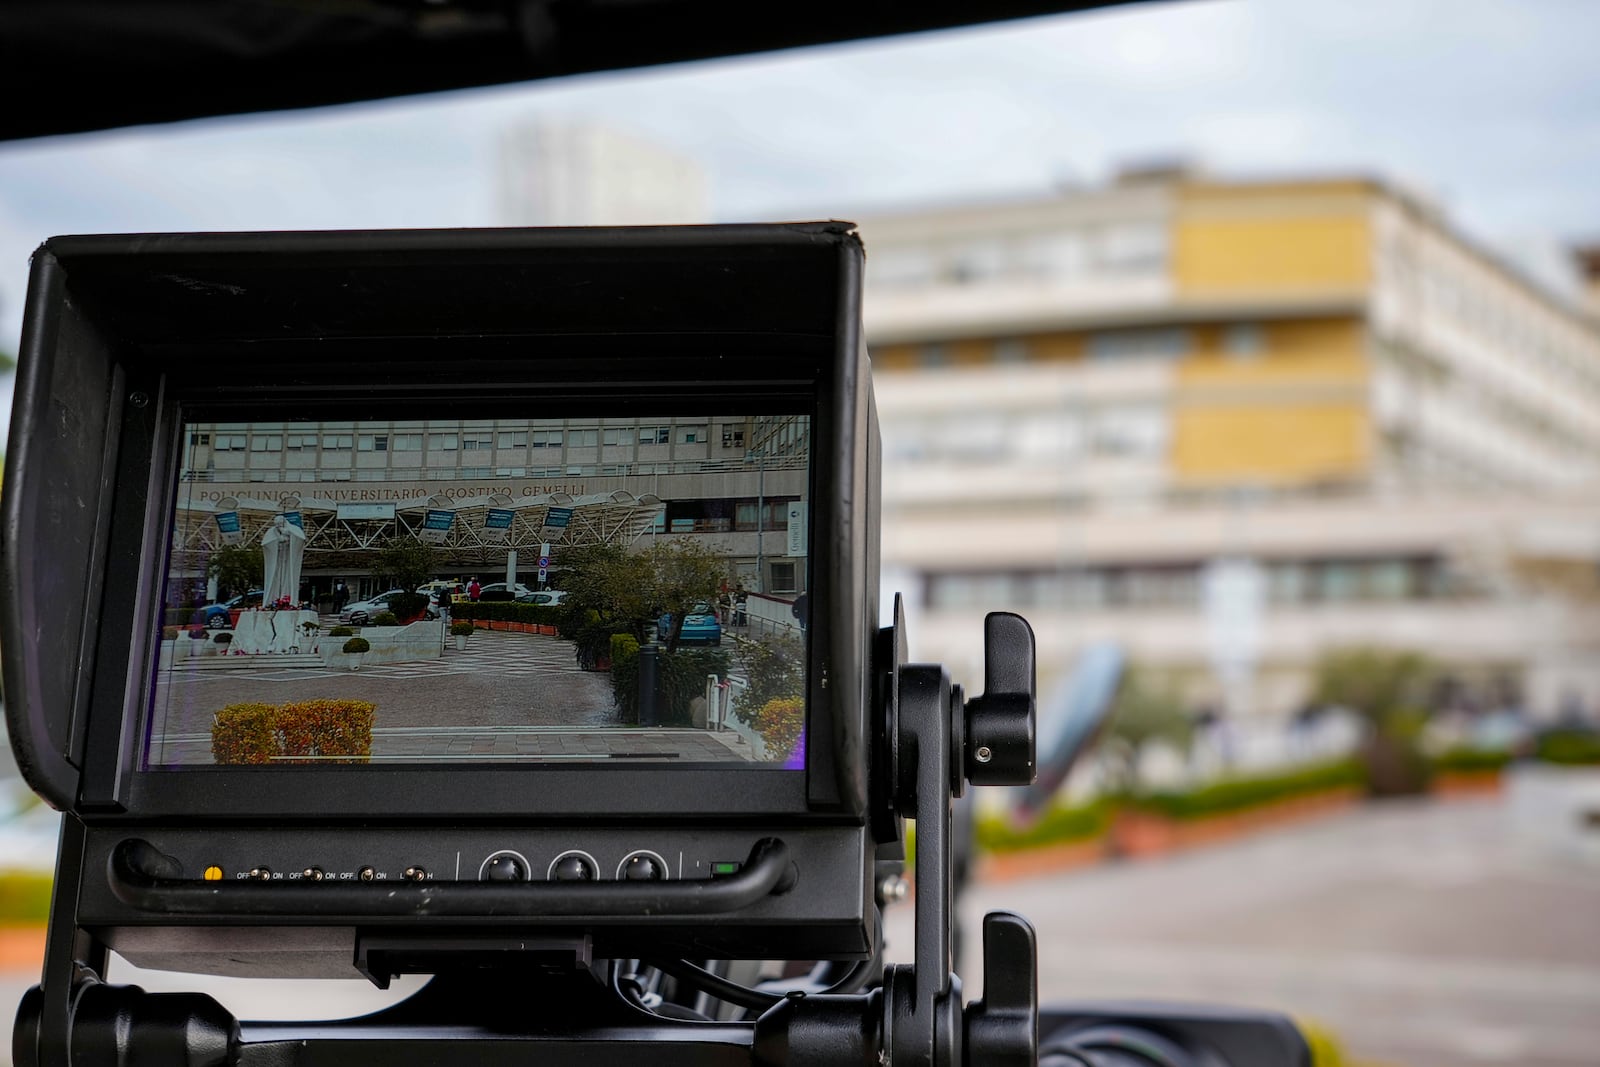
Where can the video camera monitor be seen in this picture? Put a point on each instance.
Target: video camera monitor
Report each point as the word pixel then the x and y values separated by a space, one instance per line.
pixel 534 566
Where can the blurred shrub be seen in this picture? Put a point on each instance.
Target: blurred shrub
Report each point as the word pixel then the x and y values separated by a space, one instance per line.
pixel 341 631
pixel 1471 760
pixel 300 732
pixel 1237 794
pixel 1571 747
pixel 461 628
pixel 779 722
pixel 24 898
pixel 386 618
pixel 1059 825
pixel 357 645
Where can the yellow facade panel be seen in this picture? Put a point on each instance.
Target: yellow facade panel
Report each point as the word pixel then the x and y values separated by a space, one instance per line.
pixel 1277 443
pixel 1256 254
pixel 1055 347
pixel 894 357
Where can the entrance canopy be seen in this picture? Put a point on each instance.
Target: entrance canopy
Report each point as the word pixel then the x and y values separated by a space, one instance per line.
pixel 467 530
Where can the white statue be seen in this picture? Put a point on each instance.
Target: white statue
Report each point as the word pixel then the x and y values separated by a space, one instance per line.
pixel 283 546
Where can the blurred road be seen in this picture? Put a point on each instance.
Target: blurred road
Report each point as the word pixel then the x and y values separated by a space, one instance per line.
pixel 1423 934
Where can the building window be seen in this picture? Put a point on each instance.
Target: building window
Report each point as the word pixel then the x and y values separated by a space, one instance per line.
pixel 338 442
pixel 443 442
pixel 1243 340
pixel 477 442
pixel 1011 350
pixel 692 435
pixel 231 442
pixel 583 438
pixel 783 577
pixel 543 438
pixel 372 442
pixel 266 443
pixel 655 435
pixel 199 439
pixel 516 439
pixel 732 437
pixel 300 442
pixel 406 442
pixel 1154 343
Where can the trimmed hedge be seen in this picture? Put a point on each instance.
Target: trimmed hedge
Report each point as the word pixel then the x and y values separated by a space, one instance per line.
pixel 461 628
pixel 490 611
pixel 356 645
pixel 24 898
pixel 1569 747
pixel 307 731
pixel 1235 794
pixel 386 618
pixel 1059 825
pixel 1471 760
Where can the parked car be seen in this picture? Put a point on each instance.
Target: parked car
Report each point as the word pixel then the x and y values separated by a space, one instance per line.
pixel 700 626
pixel 519 592
pixel 546 597
pixel 219 617
pixel 367 610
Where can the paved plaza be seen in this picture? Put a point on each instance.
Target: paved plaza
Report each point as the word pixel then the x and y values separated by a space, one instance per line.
pixel 505 697
pixel 1426 934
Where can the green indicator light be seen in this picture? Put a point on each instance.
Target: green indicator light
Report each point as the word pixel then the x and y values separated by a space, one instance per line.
pixel 724 868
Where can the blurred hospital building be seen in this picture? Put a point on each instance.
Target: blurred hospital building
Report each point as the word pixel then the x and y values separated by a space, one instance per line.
pixel 1232 425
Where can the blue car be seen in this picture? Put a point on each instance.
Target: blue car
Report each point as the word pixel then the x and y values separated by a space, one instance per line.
pixel 217 617
pixel 700 627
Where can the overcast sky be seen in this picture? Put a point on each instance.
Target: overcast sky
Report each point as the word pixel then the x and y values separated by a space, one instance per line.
pixel 1493 108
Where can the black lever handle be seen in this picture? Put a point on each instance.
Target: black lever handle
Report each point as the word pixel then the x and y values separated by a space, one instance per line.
pixel 140 876
pixel 1000 747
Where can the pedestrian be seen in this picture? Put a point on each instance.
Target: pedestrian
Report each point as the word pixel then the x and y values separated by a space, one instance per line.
pixel 474 590
pixel 341 595
pixel 800 609
pixel 740 606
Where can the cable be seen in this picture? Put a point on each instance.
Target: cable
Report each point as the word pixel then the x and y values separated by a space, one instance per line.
pixel 719 987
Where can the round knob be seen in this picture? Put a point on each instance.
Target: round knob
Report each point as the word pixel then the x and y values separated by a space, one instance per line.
pixel 642 868
pixel 572 868
pixel 504 868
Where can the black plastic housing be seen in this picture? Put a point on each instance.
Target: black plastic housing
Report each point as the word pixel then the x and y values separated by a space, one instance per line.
pixel 125 336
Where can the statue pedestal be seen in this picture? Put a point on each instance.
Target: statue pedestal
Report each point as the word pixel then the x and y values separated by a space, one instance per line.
pixel 267 632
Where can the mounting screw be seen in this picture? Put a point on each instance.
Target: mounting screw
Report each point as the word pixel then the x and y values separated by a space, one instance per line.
pixel 892 889
pixel 138 399
pixel 984 755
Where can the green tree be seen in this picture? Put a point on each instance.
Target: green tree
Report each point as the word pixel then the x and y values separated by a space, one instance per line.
pixel 627 591
pixel 237 568
pixel 684 573
pixel 1144 713
pixel 775 667
pixel 407 561
pixel 1388 688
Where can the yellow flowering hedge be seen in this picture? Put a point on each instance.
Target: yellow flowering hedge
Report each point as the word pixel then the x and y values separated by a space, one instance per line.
pixel 306 731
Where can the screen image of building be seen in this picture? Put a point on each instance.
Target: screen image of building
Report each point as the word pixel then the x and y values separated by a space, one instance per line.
pixel 730 481
pixel 1232 426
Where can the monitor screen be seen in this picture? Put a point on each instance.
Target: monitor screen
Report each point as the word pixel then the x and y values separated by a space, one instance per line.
pixel 486 591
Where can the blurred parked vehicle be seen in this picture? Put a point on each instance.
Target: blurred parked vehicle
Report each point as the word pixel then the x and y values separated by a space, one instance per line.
pixel 219 616
pixel 700 626
pixel 367 610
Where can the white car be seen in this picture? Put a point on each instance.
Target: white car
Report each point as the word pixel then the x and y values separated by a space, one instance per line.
pixel 367 610
pixel 518 591
pixel 546 597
